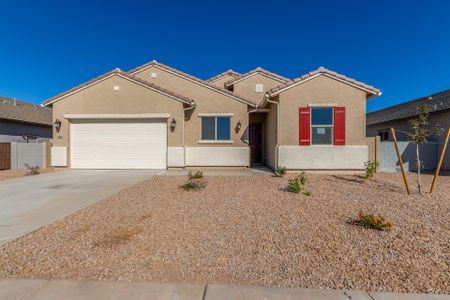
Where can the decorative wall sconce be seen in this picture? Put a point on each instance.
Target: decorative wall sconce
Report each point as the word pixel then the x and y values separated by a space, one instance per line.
pixel 173 124
pixel 57 125
pixel 238 125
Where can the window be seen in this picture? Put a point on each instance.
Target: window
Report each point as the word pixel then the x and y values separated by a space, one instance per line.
pixel 384 135
pixel 322 126
pixel 216 128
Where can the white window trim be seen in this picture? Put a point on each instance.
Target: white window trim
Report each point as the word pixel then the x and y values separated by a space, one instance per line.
pixel 324 105
pixel 315 126
pixel 215 114
pixel 215 141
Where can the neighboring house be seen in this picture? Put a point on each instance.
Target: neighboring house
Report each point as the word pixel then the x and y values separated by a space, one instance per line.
pixel 24 122
pixel 155 116
pixel 398 116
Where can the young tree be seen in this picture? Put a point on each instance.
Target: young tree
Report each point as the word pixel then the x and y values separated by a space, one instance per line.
pixel 419 133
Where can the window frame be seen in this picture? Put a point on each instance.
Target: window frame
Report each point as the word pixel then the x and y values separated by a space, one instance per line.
pixel 383 132
pixel 215 116
pixel 315 126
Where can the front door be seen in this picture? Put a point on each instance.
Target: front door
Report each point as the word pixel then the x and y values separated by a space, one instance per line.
pixel 255 141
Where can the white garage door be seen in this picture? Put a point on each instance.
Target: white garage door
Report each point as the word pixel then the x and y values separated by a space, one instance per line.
pixel 118 144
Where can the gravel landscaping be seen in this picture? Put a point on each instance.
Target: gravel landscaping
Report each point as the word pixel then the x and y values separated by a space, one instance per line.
pixel 249 230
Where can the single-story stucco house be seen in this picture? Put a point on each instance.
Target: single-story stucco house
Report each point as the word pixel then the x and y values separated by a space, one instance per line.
pixel 155 116
pixel 24 122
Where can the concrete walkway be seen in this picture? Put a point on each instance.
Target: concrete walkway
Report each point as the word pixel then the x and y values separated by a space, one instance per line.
pixel 30 202
pixel 98 290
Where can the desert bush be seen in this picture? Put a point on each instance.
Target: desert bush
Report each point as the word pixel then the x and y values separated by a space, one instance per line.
pixel 280 171
pixel 371 168
pixel 33 170
pixel 373 222
pixel 196 175
pixel 193 184
pixel 298 185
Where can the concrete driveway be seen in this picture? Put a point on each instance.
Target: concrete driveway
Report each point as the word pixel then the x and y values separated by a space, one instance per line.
pixel 30 202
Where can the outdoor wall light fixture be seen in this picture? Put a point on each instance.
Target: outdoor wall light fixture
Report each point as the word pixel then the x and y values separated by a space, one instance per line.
pixel 238 125
pixel 173 124
pixel 57 125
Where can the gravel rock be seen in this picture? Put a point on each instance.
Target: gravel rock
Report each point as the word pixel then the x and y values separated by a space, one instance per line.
pixel 249 230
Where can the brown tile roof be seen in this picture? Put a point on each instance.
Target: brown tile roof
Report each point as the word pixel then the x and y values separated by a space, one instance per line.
pixel 325 71
pixel 124 74
pixel 260 71
pixel 218 76
pixel 196 79
pixel 12 109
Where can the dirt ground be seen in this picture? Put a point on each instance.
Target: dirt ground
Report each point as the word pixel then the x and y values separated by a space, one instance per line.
pixel 249 230
pixel 9 174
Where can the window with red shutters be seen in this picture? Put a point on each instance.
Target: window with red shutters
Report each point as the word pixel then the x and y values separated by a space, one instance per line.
pixel 339 126
pixel 304 124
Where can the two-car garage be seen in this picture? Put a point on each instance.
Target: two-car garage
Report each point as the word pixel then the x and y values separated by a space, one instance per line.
pixel 118 143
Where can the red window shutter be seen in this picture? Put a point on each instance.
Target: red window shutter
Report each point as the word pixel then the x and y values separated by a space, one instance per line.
pixel 304 124
pixel 339 126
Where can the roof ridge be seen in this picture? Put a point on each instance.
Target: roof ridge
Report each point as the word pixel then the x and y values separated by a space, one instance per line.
pixel 118 72
pixel 323 70
pixel 194 78
pixel 256 70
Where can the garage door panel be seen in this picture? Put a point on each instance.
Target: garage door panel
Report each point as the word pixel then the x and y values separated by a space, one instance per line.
pixel 119 144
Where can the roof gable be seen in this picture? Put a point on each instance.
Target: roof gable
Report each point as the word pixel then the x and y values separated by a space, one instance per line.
pixel 16 110
pixel 372 91
pixel 257 71
pixel 194 79
pixel 118 72
pixel 222 75
pixel 438 102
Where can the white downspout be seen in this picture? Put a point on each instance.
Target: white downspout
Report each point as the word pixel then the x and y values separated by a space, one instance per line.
pixel 278 129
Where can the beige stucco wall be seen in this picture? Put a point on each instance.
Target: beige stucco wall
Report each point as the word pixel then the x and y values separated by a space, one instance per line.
pixel 220 82
pixel 323 90
pixel 246 87
pixel 208 101
pixel 131 99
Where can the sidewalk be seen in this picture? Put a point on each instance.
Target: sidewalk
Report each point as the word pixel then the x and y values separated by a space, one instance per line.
pixel 98 290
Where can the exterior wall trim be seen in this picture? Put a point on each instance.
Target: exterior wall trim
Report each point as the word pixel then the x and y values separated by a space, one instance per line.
pixel 117 116
pixel 348 157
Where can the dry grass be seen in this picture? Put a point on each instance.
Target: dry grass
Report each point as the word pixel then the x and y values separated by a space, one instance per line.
pixel 248 230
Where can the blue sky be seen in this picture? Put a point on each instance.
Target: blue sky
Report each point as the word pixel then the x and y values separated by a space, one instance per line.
pixel 401 47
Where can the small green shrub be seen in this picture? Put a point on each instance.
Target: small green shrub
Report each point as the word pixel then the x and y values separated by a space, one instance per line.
pixel 298 185
pixel 373 222
pixel 371 168
pixel 33 170
pixel 193 184
pixel 196 175
pixel 280 171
